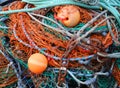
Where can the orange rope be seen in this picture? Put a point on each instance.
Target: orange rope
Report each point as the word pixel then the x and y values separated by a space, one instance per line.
pixel 108 39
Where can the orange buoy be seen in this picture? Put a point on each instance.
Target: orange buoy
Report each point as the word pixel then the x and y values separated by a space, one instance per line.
pixel 68 15
pixel 37 63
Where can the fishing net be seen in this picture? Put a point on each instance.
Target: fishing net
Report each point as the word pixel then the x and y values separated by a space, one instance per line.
pixel 105 82
pixel 116 72
pixel 53 44
pixel 7 75
pixel 47 79
pixel 30 33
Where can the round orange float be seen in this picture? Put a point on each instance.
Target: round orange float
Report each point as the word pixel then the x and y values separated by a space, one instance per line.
pixel 37 63
pixel 68 15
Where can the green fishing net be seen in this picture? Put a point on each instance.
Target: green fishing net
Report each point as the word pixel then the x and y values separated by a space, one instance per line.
pixel 105 82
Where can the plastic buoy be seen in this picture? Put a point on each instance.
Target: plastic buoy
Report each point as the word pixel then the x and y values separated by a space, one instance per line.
pixel 68 15
pixel 37 63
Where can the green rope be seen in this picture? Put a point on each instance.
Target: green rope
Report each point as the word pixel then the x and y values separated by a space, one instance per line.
pixel 4 30
pixel 44 4
pixel 112 10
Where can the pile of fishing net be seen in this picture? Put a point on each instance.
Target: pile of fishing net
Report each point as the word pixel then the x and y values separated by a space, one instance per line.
pixel 86 53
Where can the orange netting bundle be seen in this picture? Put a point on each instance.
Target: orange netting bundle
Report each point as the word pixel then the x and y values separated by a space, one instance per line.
pixel 25 30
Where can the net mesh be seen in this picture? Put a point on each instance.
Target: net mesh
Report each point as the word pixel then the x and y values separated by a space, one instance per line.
pixel 116 74
pixel 105 82
pixel 7 77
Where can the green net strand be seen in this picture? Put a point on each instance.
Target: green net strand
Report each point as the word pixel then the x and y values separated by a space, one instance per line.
pixel 14 85
pixel 58 35
pixel 2 17
pixel 5 30
pixel 118 63
pixel 106 82
pixel 51 80
pixel 6 75
pixel 2 23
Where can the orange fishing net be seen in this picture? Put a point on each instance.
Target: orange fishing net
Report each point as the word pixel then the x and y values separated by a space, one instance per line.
pixel 54 46
pixel 116 74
